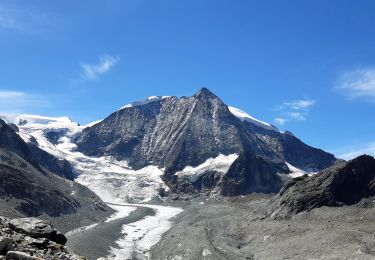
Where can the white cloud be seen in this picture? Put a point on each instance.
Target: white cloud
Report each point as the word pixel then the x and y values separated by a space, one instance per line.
pixel 279 121
pixel 357 151
pixel 358 83
pixel 92 71
pixel 295 110
pixel 300 104
pixel 24 19
pixel 300 116
pixel 19 102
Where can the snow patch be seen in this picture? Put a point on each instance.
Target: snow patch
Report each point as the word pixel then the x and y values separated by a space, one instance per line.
pixel 243 116
pixel 93 123
pixel 144 101
pixel 206 252
pixel 296 172
pixel 122 212
pixel 221 164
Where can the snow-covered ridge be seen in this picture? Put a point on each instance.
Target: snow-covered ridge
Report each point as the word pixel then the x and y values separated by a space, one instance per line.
pixel 243 116
pixel 40 120
pixel 144 101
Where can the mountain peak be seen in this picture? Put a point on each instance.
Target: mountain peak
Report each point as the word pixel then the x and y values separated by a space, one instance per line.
pixel 205 92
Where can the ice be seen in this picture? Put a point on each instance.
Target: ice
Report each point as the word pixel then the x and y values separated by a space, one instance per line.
pixel 143 234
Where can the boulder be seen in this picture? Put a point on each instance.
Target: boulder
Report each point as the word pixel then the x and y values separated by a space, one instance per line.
pixel 6 244
pixel 15 255
pixel 37 228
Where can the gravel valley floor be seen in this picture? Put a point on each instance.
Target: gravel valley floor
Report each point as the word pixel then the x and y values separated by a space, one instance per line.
pixel 239 229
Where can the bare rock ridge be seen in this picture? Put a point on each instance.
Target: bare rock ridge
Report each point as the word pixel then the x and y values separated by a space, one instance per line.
pixel 343 184
pixel 173 133
pixel 31 153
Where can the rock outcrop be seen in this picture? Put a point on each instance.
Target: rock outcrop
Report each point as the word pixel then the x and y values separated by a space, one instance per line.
pixel 32 239
pixel 343 184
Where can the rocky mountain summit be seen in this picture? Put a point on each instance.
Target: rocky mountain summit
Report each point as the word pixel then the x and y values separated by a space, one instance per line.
pixel 32 239
pixel 343 184
pixel 175 133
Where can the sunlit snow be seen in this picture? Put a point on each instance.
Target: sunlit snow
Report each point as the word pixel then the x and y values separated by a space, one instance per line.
pixel 243 116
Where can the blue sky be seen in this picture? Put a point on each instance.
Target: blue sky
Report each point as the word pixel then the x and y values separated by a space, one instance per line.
pixel 306 66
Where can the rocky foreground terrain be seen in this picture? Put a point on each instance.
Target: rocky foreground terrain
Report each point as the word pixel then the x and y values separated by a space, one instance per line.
pixel 32 239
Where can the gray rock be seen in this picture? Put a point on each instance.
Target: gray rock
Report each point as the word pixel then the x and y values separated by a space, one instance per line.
pixel 343 184
pixel 37 228
pixel 15 255
pixel 6 244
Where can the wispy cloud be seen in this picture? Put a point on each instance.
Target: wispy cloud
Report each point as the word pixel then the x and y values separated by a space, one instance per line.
pixel 279 121
pixel 300 116
pixel 352 152
pixel 295 110
pixel 93 71
pixel 20 102
pixel 358 83
pixel 300 104
pixel 24 19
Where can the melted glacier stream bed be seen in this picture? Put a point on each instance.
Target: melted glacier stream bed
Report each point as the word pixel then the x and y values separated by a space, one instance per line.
pixel 139 226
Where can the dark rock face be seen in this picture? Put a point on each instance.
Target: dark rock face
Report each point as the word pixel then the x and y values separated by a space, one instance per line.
pixel 203 183
pixel 31 153
pixel 250 173
pixel 54 136
pixel 173 133
pixel 33 190
pixel 61 167
pixel 11 141
pixel 343 184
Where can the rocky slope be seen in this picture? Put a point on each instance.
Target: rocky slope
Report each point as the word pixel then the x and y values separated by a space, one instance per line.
pixel 10 140
pixel 32 239
pixel 344 184
pixel 174 133
pixel 29 188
